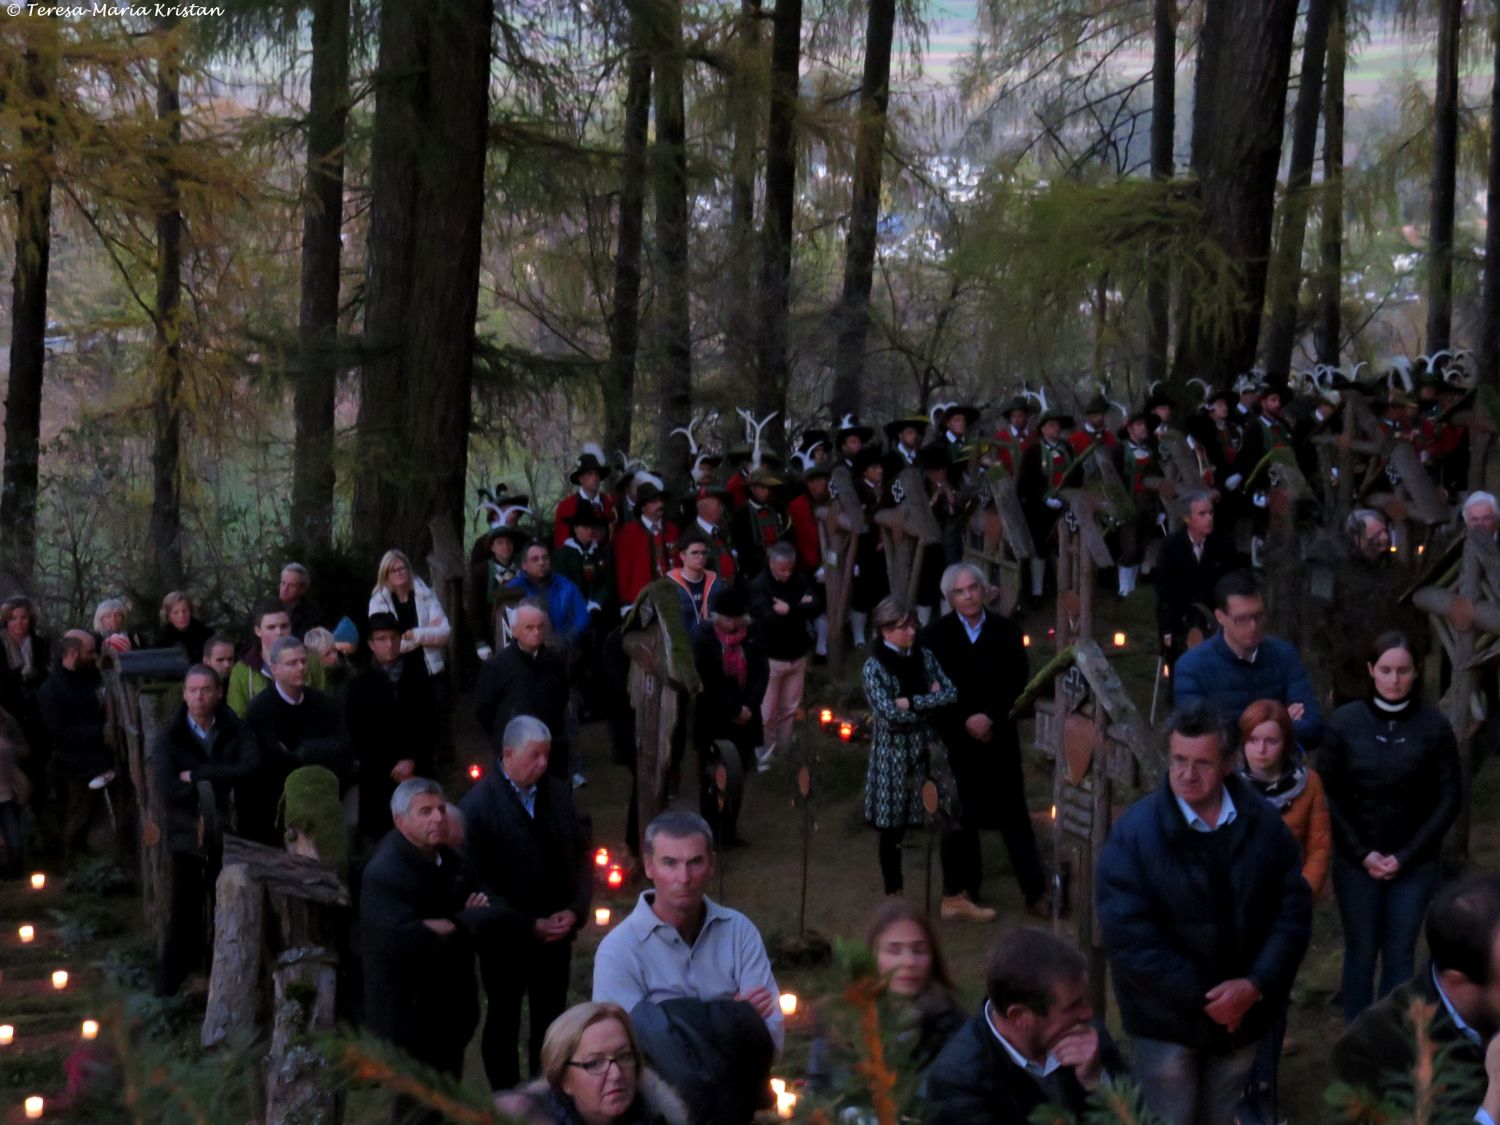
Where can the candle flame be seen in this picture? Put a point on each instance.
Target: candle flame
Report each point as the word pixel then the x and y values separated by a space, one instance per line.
pixel 34 1107
pixel 601 916
pixel 825 716
pixel 7 1033
pixel 1119 639
pixel 789 1003
pixel 615 878
pixel 786 1104
pixel 91 1029
pixel 778 1085
pixel 60 979
pixel 1026 640
pixel 601 858
pixel 476 771
pixel 846 731
pixel 27 933
pixel 38 881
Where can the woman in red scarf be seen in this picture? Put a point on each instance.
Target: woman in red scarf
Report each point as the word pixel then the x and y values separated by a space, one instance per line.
pixel 734 669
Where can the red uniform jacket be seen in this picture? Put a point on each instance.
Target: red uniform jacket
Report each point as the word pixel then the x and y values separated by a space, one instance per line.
pixel 805 533
pixel 738 487
pixel 641 558
pixel 1082 441
pixel 568 505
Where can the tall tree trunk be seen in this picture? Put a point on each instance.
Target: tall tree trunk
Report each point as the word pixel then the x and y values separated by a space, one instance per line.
pixel 1163 128
pixel 32 175
pixel 739 320
pixel 781 203
pixel 1444 175
pixel 674 395
pixel 625 306
pixel 1489 307
pixel 1286 266
pixel 322 217
pixel 1328 327
pixel 1244 60
pixel 428 152
pixel 166 454
pixel 853 317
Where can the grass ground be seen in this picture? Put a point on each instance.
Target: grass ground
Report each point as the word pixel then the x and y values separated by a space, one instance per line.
pixel 100 924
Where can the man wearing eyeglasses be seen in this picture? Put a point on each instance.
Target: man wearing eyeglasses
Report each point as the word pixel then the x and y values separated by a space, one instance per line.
pixel 1205 917
pixel 1239 664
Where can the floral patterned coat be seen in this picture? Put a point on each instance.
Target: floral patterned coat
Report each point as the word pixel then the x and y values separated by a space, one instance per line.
pixel 904 745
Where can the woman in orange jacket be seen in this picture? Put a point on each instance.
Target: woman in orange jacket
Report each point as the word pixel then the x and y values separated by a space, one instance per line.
pixel 1275 769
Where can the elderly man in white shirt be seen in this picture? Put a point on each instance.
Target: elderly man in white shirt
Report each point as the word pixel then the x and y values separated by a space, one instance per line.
pixel 678 943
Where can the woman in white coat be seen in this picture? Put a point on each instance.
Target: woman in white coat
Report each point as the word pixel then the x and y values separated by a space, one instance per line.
pixel 424 629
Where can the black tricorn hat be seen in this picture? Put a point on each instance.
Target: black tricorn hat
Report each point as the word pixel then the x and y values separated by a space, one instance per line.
pixel 918 422
pixel 589 462
pixel 851 426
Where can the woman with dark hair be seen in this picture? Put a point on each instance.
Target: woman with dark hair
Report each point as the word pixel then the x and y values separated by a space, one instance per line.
pixel 1390 768
pixel 906 687
pixel 733 666
pixel 924 1007
pixel 1275 768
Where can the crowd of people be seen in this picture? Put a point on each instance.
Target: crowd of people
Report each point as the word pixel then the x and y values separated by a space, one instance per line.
pixel 1205 887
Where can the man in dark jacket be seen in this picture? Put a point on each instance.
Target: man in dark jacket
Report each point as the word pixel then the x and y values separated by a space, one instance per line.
pixel 72 703
pixel 391 720
pixel 1033 1042
pixel 293 725
pixel 985 656
pixel 784 604
pixel 1191 562
pixel 732 664
pixel 422 913
pixel 1462 985
pixel 1240 664
pixel 204 741
pixel 525 839
pixel 526 678
pixel 1205 917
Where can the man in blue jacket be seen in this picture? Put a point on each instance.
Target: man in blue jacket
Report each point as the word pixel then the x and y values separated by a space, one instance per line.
pixel 1205 918
pixel 567 611
pixel 1239 664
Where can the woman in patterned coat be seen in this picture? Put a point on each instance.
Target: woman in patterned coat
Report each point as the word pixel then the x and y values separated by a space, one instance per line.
pixel 905 687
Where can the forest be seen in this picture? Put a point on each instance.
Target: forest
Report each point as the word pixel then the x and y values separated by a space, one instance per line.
pixel 294 280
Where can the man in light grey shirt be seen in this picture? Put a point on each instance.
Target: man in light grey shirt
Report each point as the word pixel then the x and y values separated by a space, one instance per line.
pixel 679 944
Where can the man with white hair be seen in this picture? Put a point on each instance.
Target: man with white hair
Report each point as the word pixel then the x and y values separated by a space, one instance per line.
pixel 531 850
pixel 1482 510
pixel 301 610
pixel 422 913
pixel 984 654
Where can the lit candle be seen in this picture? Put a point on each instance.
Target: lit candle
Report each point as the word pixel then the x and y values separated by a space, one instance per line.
pixel 7 1034
pixel 60 979
pixel 38 880
pixel 27 933
pixel 1166 671
pixel 846 732
pixel 34 1107
pixel 1054 812
pixel 615 878
pixel 778 1086
pixel 601 858
pixel 601 916
pixel 91 1029
pixel 1421 547
pixel 1026 640
pixel 476 771
pixel 786 1104
pixel 1119 640
pixel 825 717
pixel 789 1003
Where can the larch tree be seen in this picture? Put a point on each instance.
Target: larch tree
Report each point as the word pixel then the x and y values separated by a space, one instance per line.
pixel 1444 178
pixel 1328 319
pixel 1163 130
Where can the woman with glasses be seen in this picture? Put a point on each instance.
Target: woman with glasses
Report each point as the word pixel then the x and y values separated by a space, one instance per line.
pixel 593 1073
pixel 400 592
pixel 1390 769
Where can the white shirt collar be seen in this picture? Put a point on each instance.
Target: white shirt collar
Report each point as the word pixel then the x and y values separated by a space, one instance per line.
pixel 1458 1021
pixel 1036 1070
pixel 708 527
pixel 1227 813
pixel 972 630
pixel 290 701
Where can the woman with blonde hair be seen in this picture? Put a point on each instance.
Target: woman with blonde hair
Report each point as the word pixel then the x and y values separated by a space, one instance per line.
pixel 593 1073
pixel 109 627
pixel 424 625
pixel 180 626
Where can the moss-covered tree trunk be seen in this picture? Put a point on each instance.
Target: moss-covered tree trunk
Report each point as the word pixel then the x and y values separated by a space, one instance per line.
pixel 853 317
pixel 625 303
pixel 427 176
pixel 781 205
pixel 1163 128
pixel 1444 179
pixel 322 215
pixel 1244 59
pixel 166 401
pixel 673 329
pixel 1328 325
pixel 32 175
pixel 1286 267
